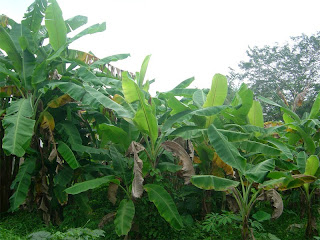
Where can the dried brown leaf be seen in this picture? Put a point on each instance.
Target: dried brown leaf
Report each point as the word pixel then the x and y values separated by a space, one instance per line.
pixel 274 197
pixel 112 193
pixel 107 218
pixel 178 151
pixel 137 183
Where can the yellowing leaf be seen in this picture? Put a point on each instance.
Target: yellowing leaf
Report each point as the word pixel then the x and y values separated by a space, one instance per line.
pixel 47 121
pixel 227 168
pixel 60 101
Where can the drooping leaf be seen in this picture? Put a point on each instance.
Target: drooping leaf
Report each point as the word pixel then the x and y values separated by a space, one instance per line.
pixel 21 183
pixel 87 185
pixel 112 192
pixel 137 183
pixel 60 101
pixel 178 151
pixel 124 217
pixel 60 194
pixel 68 155
pixel 55 25
pixel 18 127
pixel 227 152
pixel 226 168
pixel 210 182
pixel 275 198
pixel 47 121
pixel 165 205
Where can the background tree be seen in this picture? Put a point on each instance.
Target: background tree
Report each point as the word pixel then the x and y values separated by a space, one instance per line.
pixel 287 73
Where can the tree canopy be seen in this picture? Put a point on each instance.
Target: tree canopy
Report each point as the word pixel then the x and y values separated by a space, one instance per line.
pixel 287 73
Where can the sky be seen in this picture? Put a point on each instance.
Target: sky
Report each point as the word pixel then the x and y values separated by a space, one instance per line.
pixel 186 38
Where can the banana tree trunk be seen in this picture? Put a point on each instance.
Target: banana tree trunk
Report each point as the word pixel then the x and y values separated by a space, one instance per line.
pixel 311 229
pixel 6 176
pixel 245 234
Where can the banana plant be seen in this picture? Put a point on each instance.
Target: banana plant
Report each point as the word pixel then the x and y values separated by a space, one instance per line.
pixel 301 135
pixel 218 136
pixel 45 100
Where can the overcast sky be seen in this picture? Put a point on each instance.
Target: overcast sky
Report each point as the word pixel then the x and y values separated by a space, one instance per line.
pixel 185 37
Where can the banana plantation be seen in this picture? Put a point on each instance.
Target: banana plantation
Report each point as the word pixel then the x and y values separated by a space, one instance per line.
pixel 87 153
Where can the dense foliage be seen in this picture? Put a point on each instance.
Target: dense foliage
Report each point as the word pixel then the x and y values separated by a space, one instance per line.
pixel 82 142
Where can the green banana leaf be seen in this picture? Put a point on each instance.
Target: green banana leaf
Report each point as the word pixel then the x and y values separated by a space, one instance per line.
pixel 35 14
pixel 226 151
pixel 109 132
pixel 312 165
pixel 186 115
pixel 169 167
pixel 68 155
pixel 55 25
pixel 257 147
pixel 301 161
pixel 184 84
pixel 258 172
pixel 90 30
pixel 176 105
pixel 7 45
pixel 255 115
pixel 87 185
pixel 217 94
pixel 21 183
pixel 75 22
pixel 314 113
pixel 281 146
pixel 199 98
pixel 69 132
pixel 18 127
pixel 124 217
pixel 284 109
pixel 309 144
pixel 120 165
pixel 143 70
pixel 165 205
pixel 109 59
pixel 145 120
pixel 90 96
pixel 64 176
pixel 210 182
